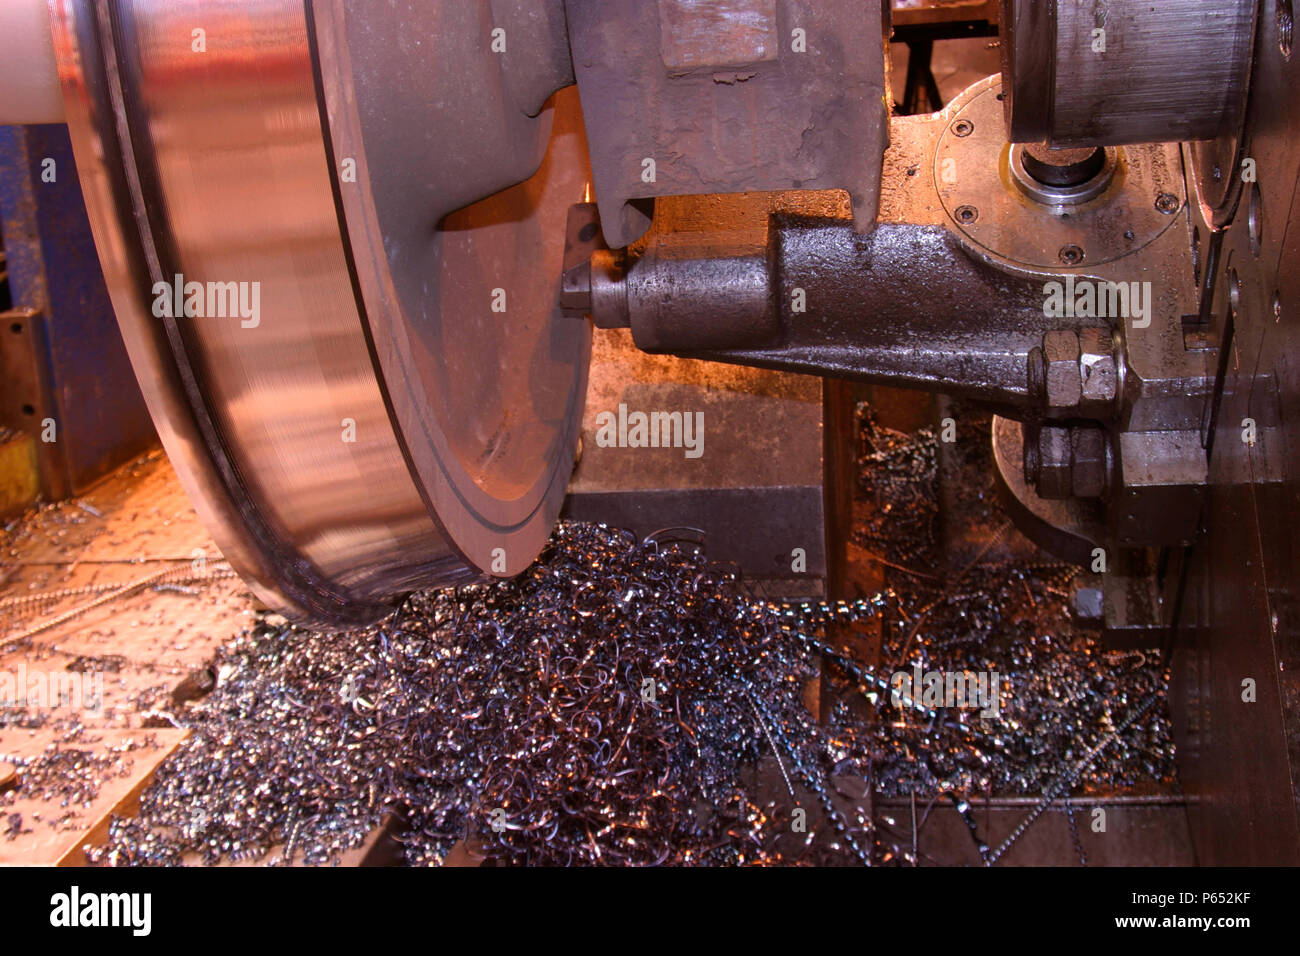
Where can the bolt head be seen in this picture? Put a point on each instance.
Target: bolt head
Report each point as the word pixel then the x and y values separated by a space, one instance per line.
pixel 1071 255
pixel 1168 203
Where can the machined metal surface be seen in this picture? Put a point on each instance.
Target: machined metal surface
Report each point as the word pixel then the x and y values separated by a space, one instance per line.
pixel 401 407
pixel 459 276
pixel 28 73
pixel 341 442
pixel 1109 73
pixel 1137 193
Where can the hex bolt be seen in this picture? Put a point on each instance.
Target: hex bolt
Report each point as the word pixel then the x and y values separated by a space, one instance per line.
pixel 1071 255
pixel 1055 480
pixel 1067 461
pixel 1168 203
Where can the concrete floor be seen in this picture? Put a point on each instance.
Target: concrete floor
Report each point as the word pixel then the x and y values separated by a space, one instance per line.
pixel 140 644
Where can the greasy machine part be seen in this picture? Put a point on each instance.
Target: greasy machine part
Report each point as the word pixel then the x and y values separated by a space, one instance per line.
pixel 363 397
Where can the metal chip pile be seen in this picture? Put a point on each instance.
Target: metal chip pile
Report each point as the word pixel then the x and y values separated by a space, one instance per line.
pixel 626 702
pixel 1064 694
pixel 599 709
pixel 1073 716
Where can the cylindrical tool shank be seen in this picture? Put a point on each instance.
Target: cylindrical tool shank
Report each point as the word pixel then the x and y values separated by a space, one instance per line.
pixel 702 291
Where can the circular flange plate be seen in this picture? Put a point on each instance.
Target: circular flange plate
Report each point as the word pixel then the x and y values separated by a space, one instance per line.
pixel 972 167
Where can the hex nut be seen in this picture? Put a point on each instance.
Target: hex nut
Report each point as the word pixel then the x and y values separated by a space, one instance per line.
pixel 1070 462
pixel 1097 373
pixel 1087 462
pixel 1062 378
pixel 1054 468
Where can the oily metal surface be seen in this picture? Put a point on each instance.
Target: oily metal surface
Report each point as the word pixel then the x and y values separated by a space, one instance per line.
pixel 206 157
pixel 933 307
